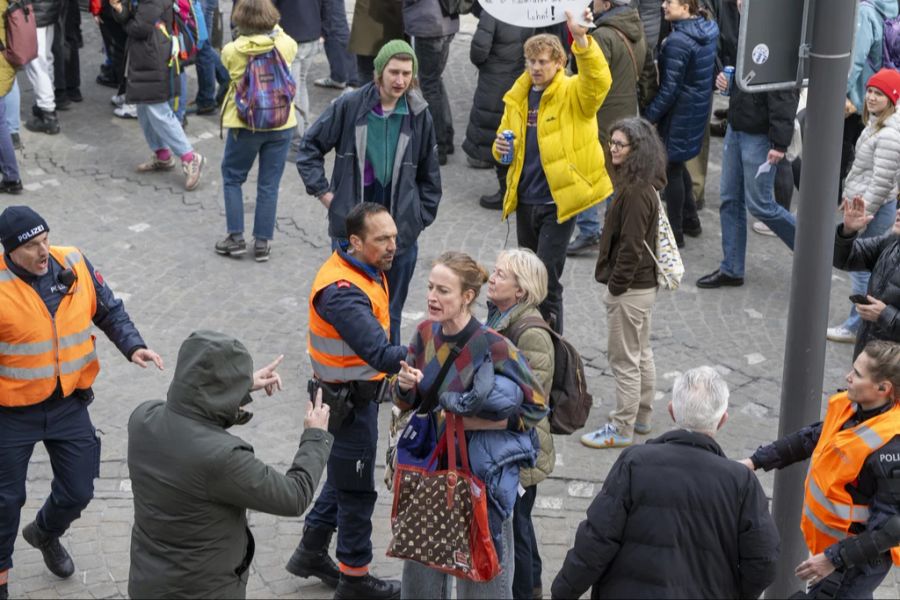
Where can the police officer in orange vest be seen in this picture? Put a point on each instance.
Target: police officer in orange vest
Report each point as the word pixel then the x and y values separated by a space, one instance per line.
pixel 853 483
pixel 49 298
pixel 350 351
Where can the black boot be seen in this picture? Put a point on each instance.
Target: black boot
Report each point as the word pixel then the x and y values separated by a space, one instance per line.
pixel 311 559
pixel 495 201
pixel 55 556
pixel 351 588
pixel 43 122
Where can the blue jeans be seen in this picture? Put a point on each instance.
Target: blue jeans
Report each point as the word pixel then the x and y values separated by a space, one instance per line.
pixel 589 221
pixel 8 164
pixel 64 427
pixel 348 496
pixel 241 149
pixel 210 69
pixel 419 581
pixel 398 278
pixel 859 280
pixel 337 36
pixel 162 129
pixel 741 190
pixel 13 100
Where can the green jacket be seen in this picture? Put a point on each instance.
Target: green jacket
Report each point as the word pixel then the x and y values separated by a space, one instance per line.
pixel 193 481
pixel 537 347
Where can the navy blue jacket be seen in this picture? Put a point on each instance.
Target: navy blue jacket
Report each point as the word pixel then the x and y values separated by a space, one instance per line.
pixel 301 19
pixel 681 108
pixel 110 317
pixel 415 182
pixel 349 311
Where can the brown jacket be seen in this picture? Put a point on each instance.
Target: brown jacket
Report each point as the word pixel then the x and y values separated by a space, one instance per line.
pixel 631 219
pixel 375 22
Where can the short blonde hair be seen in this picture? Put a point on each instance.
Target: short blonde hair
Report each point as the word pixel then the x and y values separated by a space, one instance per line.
pixel 546 42
pixel 529 271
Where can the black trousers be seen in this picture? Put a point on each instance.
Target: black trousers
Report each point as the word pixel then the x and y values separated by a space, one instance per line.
pixel 680 206
pixel 66 42
pixel 538 230
pixel 433 53
pixel 114 38
pixel 527 576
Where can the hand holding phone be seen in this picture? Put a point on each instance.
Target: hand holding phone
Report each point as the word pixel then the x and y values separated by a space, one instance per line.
pixel 859 299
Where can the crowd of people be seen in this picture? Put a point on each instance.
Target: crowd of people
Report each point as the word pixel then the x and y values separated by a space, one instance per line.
pixel 610 112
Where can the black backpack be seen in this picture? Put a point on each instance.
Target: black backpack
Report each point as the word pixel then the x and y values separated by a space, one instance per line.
pixel 452 8
pixel 570 402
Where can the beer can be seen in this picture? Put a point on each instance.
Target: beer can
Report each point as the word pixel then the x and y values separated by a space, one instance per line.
pixel 509 136
pixel 729 76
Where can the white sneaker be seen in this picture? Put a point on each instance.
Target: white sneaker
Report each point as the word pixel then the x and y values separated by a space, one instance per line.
pixel 117 100
pixel 126 111
pixel 841 334
pixel 762 229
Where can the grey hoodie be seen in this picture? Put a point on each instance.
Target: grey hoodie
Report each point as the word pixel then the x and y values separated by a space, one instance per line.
pixel 193 481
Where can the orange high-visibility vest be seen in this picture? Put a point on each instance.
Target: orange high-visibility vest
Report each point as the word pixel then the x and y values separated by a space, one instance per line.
pixel 828 509
pixel 332 359
pixel 37 349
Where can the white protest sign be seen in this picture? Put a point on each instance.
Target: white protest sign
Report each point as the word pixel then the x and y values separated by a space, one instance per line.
pixel 533 13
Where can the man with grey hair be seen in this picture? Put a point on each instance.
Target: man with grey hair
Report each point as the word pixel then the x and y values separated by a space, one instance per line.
pixel 676 518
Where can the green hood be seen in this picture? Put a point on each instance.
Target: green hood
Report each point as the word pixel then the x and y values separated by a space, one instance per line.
pixel 625 19
pixel 212 379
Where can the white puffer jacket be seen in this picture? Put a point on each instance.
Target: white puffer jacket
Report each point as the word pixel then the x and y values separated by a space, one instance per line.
pixel 875 168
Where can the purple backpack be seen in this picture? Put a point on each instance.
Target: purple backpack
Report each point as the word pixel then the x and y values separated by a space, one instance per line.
pixel 890 45
pixel 264 95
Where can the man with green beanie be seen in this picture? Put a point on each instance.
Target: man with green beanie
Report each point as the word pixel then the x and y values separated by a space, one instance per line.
pixel 385 152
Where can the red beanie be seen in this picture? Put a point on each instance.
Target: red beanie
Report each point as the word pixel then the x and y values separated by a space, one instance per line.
pixel 888 81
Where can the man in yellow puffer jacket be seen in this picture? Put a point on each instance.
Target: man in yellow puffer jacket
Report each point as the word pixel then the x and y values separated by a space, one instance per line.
pixel 557 167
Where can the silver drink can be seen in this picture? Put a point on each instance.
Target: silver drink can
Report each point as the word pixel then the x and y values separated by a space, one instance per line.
pixel 729 76
pixel 509 136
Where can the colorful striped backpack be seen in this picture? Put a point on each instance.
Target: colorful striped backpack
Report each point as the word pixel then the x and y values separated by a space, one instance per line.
pixel 264 95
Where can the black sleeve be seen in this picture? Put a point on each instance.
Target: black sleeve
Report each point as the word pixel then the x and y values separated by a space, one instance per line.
pixel 758 541
pixel 320 139
pixel 599 537
pixel 349 311
pixel 782 111
pixel 790 449
pixel 852 253
pixel 111 317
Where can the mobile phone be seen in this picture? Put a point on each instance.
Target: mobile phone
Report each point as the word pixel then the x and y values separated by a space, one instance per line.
pixel 859 299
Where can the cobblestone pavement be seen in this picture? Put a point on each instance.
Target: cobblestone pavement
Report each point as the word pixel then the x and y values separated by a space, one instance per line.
pixel 154 244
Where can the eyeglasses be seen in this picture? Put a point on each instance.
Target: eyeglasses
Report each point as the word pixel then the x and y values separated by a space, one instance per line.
pixel 617 145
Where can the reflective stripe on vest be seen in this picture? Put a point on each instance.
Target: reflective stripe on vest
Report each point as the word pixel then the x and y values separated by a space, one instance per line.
pixel 331 358
pixel 839 456
pixel 39 352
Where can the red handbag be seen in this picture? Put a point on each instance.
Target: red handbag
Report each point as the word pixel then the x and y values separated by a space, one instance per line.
pixel 440 517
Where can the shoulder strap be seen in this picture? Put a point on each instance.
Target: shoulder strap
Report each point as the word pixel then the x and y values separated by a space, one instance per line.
pixel 515 332
pixel 630 50
pixel 431 399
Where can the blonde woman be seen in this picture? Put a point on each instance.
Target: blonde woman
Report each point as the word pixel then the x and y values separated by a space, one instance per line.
pixel 873 177
pixel 517 285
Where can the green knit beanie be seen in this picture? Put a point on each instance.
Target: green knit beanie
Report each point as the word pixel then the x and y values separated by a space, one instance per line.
pixel 391 49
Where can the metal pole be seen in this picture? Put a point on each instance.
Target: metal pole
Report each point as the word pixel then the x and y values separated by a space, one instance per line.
pixel 832 24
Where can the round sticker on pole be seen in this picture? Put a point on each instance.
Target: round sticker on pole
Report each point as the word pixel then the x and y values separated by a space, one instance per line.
pixel 534 13
pixel 760 54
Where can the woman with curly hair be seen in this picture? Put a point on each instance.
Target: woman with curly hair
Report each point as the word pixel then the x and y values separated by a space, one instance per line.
pixel 628 268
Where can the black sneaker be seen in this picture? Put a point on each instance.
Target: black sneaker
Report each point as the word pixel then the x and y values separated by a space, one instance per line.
pixel 43 122
pixel 74 94
pixel 61 100
pixel 232 246
pixel 309 563
pixel 580 245
pixel 107 80
pixel 492 202
pixel 55 556
pixel 353 588
pixel 261 250
pixel 11 187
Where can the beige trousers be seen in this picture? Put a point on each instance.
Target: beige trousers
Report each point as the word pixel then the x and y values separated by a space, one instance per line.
pixel 630 356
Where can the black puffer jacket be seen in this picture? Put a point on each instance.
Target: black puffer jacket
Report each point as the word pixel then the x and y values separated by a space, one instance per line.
pixel 675 519
pixel 881 256
pixel 497 52
pixel 148 51
pixel 766 113
pixel 46 12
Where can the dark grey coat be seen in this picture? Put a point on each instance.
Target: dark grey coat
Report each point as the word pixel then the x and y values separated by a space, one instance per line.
pixel 193 481
pixel 416 181
pixel 148 51
pixel 881 256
